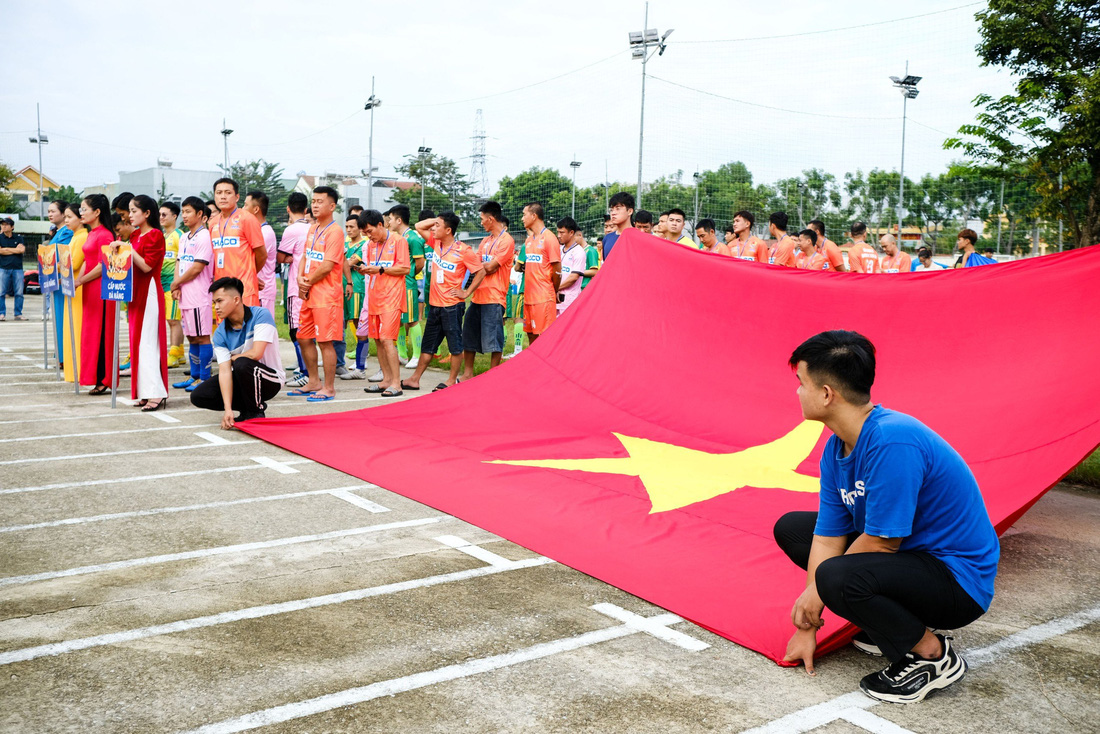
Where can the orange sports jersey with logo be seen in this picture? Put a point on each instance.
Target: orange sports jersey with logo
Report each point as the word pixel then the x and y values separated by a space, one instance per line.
pixel 720 247
pixel 812 261
pixel 541 250
pixel 832 253
pixel 325 243
pixel 862 258
pixel 449 268
pixel 494 288
pixel 232 240
pixel 753 249
pixel 387 292
pixel 900 263
pixel 783 252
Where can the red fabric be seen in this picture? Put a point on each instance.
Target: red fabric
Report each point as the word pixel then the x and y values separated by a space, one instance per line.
pixel 998 360
pixel 97 326
pixel 150 246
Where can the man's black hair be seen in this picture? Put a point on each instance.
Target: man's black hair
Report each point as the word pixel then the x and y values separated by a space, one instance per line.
pixel 779 219
pixel 624 198
pixel 707 225
pixel 643 217
pixel 356 209
pixel 536 209
pixel 746 215
pixel 225 179
pixel 426 214
pixel 234 284
pixel 450 221
pixel 121 202
pixel 329 192
pixel 599 238
pixel 172 207
pixel 196 204
pixel 261 200
pixel 809 233
pixel 858 228
pixel 493 209
pixel 663 214
pixel 844 360
pixel 681 212
pixel 568 223
pixel 818 225
pixel 373 217
pixel 297 202
pixel 402 212
pixel 210 203
pixel 607 217
pixel 729 228
pixel 353 218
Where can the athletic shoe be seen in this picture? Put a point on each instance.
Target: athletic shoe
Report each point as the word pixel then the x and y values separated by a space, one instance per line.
pixel 412 363
pixel 376 377
pixel 354 375
pixel 249 416
pixel 193 386
pixel 912 678
pixel 299 379
pixel 509 356
pixel 186 382
pixel 863 642
pixel 341 371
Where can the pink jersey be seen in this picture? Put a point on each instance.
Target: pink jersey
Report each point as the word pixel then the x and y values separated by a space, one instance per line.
pixel 294 244
pixel 267 273
pixel 572 261
pixel 195 247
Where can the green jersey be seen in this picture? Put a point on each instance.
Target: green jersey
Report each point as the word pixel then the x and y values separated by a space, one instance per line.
pixel 171 253
pixel 358 280
pixel 591 260
pixel 521 257
pixel 416 249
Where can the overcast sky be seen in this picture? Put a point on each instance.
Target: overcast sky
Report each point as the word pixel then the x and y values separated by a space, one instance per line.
pixel 772 84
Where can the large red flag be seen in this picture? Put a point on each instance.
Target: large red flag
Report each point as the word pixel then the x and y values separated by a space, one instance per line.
pixel 652 437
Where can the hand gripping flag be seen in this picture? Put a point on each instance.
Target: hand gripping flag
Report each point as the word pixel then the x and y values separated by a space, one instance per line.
pixel 653 436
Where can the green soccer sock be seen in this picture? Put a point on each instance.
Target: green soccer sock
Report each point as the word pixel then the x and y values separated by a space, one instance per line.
pixel 518 340
pixel 402 351
pixel 417 334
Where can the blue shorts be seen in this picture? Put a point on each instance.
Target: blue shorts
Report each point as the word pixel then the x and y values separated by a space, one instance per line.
pixel 443 321
pixel 483 330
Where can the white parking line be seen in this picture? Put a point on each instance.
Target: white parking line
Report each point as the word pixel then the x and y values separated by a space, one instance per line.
pixel 340 493
pixel 217 551
pixel 482 554
pixel 351 696
pixel 842 707
pixel 358 501
pixel 99 433
pixel 264 610
pixel 283 467
pixel 164 417
pixel 260 464
pixel 211 440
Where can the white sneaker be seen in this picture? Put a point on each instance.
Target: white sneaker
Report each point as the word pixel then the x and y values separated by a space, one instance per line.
pixel 298 380
pixel 341 371
pixel 412 363
pixel 355 375
pixel 513 354
pixel 376 377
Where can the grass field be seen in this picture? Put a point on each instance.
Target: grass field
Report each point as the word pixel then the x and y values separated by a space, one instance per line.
pixel 1087 472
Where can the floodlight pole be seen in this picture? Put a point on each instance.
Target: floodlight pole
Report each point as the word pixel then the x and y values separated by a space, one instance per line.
pixel 370 105
pixel 641 116
pixel 226 132
pixel 901 178
pixel 575 164
pixel 38 140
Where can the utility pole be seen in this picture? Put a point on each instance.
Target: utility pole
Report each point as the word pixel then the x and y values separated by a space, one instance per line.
pixel 40 140
pixel 640 43
pixel 1059 214
pixel 908 87
pixel 574 164
pixel 372 102
pixel 422 151
pixel 226 132
pixel 1000 216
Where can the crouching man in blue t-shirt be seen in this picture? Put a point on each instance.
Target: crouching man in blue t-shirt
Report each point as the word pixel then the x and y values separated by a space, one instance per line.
pixel 902 541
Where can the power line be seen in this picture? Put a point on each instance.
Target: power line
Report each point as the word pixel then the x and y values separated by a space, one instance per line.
pixel 832 30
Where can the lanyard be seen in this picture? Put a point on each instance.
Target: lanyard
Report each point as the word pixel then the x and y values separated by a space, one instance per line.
pixel 454 244
pixel 382 249
pixel 493 244
pixel 313 241
pixel 221 234
pixel 741 246
pixel 191 235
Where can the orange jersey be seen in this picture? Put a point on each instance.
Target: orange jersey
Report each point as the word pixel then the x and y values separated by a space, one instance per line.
pixel 449 267
pixel 752 249
pixel 720 247
pixel 900 263
pixel 324 243
pixel 387 292
pixel 233 239
pixel 541 250
pixel 494 288
pixel 862 258
pixel 783 252
pixel 832 253
pixel 812 261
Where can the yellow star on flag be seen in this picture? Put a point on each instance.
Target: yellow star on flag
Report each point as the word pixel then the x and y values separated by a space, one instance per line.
pixel 675 476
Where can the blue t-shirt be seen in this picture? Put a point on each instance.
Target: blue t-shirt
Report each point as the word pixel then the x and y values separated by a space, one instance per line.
pixel 609 241
pixel 62 236
pixel 259 325
pixel 904 481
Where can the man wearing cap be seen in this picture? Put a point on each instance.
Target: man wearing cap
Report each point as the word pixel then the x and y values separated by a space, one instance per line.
pixel 11 268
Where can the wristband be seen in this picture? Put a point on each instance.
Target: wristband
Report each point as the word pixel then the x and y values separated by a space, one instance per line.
pixel 382 270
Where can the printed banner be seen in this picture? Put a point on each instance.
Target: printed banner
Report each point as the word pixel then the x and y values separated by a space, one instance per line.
pixel 64 265
pixel 47 268
pixel 117 283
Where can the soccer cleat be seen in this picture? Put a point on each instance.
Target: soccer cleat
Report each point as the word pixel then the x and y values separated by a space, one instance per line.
pixel 912 678
pixel 192 386
pixel 376 377
pixel 863 642
pixel 184 383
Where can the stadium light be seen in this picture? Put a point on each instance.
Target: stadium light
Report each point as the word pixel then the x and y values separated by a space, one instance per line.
pixel 422 151
pixel 574 165
pixel 640 44
pixel 226 132
pixel 39 140
pixel 908 87
pixel 372 102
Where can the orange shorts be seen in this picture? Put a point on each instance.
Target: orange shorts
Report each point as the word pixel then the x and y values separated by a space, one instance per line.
pixel 325 323
pixel 537 317
pixel 384 325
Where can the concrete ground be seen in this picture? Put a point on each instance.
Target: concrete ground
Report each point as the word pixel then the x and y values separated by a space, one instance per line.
pixel 158 574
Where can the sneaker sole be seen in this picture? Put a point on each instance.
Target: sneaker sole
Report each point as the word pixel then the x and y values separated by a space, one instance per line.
pixel 938 684
pixel 867 649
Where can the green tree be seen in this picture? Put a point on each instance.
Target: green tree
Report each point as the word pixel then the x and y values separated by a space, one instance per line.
pixel 258 175
pixel 8 204
pixel 544 185
pixel 67 193
pixel 1051 123
pixel 444 186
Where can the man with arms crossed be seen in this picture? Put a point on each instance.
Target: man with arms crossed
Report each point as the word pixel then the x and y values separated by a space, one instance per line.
pixel 246 346
pixel 483 329
pixel 902 540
